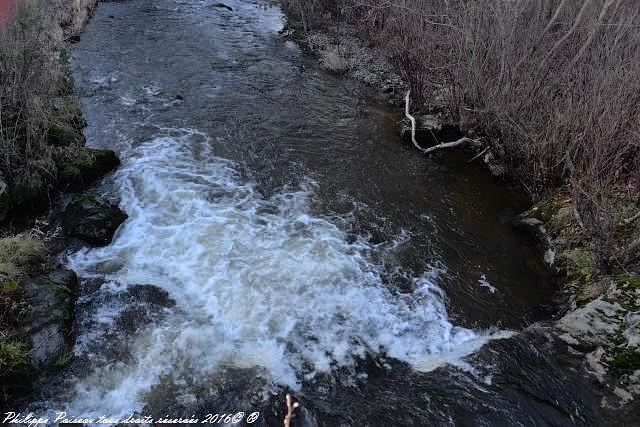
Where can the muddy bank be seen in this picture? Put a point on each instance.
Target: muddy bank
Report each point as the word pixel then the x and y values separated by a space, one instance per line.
pixel 594 332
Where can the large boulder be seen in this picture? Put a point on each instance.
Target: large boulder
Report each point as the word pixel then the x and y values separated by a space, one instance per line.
pixel 79 166
pixel 92 219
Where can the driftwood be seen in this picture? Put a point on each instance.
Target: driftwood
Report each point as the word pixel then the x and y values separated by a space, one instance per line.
pixel 290 407
pixel 460 143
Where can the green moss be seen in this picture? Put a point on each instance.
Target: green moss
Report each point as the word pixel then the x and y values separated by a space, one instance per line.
pixel 580 264
pixel 78 166
pixel 625 362
pixel 62 134
pixel 13 355
pixel 10 285
pixel 64 359
pixel 629 280
pixel 31 186
pixel 84 198
pixel 544 211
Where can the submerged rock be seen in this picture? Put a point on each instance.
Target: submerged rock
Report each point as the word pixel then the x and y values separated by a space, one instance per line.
pixel 92 219
pixel 222 6
pixel 79 166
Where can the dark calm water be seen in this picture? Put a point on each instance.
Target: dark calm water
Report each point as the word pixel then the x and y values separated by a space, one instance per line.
pixel 282 238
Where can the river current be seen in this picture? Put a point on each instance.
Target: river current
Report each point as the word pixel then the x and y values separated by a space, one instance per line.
pixel 281 237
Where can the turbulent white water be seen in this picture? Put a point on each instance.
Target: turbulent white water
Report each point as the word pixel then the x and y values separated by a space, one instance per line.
pixel 258 282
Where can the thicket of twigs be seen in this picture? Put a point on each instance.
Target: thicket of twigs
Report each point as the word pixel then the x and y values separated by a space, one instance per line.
pixel 556 82
pixel 31 79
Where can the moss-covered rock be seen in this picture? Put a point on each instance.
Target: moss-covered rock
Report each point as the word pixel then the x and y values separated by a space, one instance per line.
pixel 62 134
pixel 30 189
pixel 20 257
pixel 92 219
pixel 79 166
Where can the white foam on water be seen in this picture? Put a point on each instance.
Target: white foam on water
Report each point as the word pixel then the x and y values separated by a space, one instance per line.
pixel 257 281
pixel 484 283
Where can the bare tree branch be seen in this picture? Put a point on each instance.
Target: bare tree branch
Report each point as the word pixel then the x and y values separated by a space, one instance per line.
pixel 291 406
pixel 460 143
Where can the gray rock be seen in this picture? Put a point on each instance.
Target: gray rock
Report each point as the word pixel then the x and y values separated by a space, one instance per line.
pixel 92 219
pixel 592 325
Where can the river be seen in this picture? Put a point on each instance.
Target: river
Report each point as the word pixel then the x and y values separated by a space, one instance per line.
pixel 282 238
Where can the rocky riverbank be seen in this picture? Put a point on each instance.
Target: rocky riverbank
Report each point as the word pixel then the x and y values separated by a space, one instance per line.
pixel 37 294
pixel 598 316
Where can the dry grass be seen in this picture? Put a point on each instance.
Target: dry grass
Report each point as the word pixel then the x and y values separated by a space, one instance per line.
pixel 32 76
pixel 332 59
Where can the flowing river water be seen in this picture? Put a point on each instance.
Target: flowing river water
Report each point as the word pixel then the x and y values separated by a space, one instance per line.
pixel 282 238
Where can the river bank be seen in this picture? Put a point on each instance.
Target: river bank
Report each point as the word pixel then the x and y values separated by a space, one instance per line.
pixel 597 314
pixel 43 156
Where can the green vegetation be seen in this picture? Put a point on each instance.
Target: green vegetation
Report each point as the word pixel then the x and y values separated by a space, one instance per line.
pixel 20 256
pixel 13 355
pixel 65 359
pixel 625 362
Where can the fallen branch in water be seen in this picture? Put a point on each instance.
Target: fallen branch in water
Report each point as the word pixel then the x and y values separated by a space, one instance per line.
pixel 460 143
pixel 290 407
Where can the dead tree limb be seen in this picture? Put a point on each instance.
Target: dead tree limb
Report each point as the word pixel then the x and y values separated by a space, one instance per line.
pixel 631 219
pixel 632 250
pixel 290 407
pixel 460 143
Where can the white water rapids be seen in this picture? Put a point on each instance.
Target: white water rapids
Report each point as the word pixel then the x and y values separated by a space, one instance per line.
pixel 258 283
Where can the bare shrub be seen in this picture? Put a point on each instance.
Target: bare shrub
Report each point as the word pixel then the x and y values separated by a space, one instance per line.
pixel 332 59
pixel 31 77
